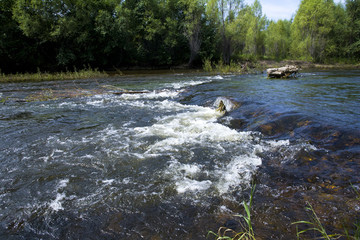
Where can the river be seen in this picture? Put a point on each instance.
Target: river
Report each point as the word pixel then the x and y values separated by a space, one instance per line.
pixel 87 159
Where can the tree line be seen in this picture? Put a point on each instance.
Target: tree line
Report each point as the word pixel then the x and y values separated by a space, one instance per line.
pixel 54 35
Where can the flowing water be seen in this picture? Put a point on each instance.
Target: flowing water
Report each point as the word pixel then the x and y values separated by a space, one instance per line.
pixel 80 162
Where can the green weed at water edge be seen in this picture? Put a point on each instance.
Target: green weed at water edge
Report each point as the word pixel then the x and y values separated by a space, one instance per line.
pixel 315 225
pixel 247 232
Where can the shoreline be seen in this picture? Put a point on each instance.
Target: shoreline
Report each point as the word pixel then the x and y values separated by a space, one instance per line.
pixel 244 67
pixel 307 64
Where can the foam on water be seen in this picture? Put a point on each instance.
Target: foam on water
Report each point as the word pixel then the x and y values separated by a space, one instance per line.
pixel 190 185
pixel 184 84
pixel 151 95
pixel 56 204
pixel 190 127
pixel 217 77
pixel 238 171
pixel 185 133
pixel 134 154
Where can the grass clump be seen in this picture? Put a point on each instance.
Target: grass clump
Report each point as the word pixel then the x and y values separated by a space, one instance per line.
pixel 315 225
pixel 207 66
pixel 44 76
pixel 247 232
pixel 232 68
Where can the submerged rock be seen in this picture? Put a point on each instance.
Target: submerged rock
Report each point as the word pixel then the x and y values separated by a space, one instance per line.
pixel 221 108
pixel 224 104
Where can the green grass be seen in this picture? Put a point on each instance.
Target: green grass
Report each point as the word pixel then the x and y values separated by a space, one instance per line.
pixel 232 68
pixel 44 76
pixel 313 226
pixel 247 232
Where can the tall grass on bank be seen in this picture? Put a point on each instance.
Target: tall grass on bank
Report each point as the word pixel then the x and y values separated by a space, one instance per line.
pixel 232 68
pixel 44 76
pixel 247 232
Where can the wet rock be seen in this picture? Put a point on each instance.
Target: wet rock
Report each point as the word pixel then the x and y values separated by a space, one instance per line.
pixel 267 129
pixel 221 108
pixel 114 223
pixel 231 224
pixel 226 104
pixel 237 123
pixel 283 72
pixel 18 116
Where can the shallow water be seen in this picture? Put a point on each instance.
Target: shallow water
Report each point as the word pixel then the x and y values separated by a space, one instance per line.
pixel 163 163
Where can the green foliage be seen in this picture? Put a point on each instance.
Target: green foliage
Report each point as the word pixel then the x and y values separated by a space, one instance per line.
pixel 353 31
pixel 317 31
pixel 61 34
pixel 278 39
pixel 255 36
pixel 207 65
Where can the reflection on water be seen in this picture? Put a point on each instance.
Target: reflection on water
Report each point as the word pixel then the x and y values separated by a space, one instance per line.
pixel 161 162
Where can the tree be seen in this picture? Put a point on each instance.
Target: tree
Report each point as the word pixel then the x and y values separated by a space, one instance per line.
pixel 277 39
pixel 254 43
pixel 18 53
pixel 353 21
pixel 225 12
pixel 194 11
pixel 312 29
pixel 64 30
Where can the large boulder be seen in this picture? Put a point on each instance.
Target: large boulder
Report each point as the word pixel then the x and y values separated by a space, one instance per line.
pixel 282 72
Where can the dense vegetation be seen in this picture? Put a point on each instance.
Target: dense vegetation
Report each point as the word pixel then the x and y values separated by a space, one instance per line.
pixel 55 35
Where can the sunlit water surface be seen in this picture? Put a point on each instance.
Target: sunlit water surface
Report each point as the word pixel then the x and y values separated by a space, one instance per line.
pixel 162 163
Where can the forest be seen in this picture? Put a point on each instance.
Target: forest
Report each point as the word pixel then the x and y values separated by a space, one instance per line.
pixel 57 35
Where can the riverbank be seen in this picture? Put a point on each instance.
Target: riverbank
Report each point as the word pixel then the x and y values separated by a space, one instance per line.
pixel 245 67
pixel 307 64
pixel 45 76
pixel 260 66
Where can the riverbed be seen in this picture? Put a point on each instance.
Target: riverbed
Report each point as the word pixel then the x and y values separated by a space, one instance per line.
pixel 150 157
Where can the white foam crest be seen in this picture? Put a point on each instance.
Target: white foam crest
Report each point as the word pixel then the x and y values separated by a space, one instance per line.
pixel 278 143
pixel 190 185
pixel 96 103
pixel 186 170
pixel 150 95
pixel 56 204
pixel 217 77
pixel 184 84
pixel 62 184
pixel 67 104
pixel 108 181
pixel 185 177
pixel 190 127
pixel 168 105
pixel 238 171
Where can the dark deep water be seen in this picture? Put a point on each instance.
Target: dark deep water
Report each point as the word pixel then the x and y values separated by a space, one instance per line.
pixel 84 163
